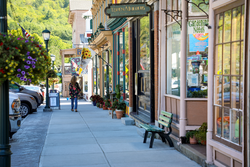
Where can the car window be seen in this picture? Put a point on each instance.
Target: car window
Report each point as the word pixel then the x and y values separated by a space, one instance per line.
pixel 13 86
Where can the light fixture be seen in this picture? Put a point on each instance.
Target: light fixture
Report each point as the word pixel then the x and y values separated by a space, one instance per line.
pixel 46 34
pixel 53 57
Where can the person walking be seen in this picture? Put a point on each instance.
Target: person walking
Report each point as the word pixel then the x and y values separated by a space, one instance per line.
pixel 74 91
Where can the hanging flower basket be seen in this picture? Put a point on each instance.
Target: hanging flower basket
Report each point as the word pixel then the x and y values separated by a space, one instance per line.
pixel 51 74
pixel 86 53
pixel 22 59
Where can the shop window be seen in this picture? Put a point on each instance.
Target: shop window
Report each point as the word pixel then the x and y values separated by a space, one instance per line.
pixel 126 63
pixel 228 75
pixel 110 71
pixel 193 10
pixel 197 59
pixel 120 58
pixel 173 59
pixel 144 44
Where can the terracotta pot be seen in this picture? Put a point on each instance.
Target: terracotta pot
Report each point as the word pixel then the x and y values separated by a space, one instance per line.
pixel 104 108
pixel 203 142
pixel 100 106
pixel 119 113
pixel 193 140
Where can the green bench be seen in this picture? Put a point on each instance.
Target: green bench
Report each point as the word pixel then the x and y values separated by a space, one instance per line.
pixel 165 120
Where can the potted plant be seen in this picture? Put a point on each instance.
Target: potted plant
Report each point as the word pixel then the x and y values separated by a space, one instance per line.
pixel 106 104
pixel 201 134
pixel 93 98
pixel 98 104
pixel 118 105
pixel 190 135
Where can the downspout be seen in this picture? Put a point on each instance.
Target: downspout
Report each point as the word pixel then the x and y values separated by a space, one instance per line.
pixel 210 85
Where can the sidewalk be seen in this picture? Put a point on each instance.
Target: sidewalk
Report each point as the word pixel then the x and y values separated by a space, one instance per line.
pixel 91 138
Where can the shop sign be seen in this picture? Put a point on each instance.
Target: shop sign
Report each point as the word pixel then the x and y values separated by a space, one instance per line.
pixel 127 10
pixel 197 26
pixel 78 52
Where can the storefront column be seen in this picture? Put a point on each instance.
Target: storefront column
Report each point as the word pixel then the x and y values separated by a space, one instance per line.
pixel 210 85
pixel 123 55
pixel 118 58
pixel 183 119
pixel 130 66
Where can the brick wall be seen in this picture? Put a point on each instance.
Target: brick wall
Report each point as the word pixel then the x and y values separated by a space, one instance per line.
pixel 156 59
pixel 130 68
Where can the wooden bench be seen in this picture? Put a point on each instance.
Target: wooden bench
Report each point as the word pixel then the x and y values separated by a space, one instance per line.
pixel 165 120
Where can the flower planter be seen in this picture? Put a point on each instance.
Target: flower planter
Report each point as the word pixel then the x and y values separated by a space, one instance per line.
pixel 203 142
pixel 100 106
pixel 193 140
pixel 94 103
pixel 119 113
pixel 104 108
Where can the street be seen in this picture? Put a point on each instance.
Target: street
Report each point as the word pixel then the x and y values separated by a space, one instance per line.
pixel 86 138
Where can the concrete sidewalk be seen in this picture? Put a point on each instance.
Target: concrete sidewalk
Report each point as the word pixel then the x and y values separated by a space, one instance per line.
pixel 91 138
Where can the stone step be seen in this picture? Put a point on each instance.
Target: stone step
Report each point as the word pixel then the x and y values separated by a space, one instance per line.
pixel 127 121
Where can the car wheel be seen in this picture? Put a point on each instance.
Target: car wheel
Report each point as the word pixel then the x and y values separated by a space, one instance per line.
pixel 24 110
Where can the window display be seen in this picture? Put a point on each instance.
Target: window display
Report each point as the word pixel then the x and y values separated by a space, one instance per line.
pixel 197 59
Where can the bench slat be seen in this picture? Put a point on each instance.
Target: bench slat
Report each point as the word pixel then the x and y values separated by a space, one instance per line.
pixel 165 119
pixel 151 128
pixel 170 115
pixel 164 123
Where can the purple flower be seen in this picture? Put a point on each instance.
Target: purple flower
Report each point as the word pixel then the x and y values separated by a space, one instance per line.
pixel 28 53
pixel 18 38
pixel 35 59
pixel 26 41
pixel 18 70
pixel 33 66
pixel 40 45
pixel 22 78
pixel 4 35
pixel 27 73
pixel 28 62
pixel 18 75
pixel 29 80
pixel 29 57
pixel 25 79
pixel 26 67
pixel 23 72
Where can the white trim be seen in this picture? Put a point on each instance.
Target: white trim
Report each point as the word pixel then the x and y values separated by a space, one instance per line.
pixel 195 99
pixel 225 150
pixel 192 127
pixel 220 3
pixel 172 96
pixel 217 163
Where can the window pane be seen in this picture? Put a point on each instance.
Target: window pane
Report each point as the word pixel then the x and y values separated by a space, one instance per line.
pixel 226 89
pixel 241 93
pixel 236 23
pixel 226 123
pixel 242 22
pixel 179 4
pixel 217 116
pixel 169 7
pixel 219 28
pixel 227 26
pixel 121 58
pixel 235 92
pixel 235 58
pixel 173 59
pixel 217 90
pixel 226 59
pixel 193 10
pixel 144 44
pixel 241 127
pixel 218 60
pixel 234 123
pixel 242 58
pixel 126 63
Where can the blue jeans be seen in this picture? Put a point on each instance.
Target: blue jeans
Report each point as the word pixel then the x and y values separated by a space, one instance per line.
pixel 72 102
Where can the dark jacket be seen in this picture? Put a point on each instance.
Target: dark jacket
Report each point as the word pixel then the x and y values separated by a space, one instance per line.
pixel 74 90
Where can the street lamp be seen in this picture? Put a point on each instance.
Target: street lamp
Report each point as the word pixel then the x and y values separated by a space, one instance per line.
pixel 53 58
pixel 46 35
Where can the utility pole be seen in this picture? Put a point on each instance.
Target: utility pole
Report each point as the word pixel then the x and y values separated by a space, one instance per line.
pixel 5 153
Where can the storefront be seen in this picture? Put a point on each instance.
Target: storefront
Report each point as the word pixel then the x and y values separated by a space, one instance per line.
pixel 203 73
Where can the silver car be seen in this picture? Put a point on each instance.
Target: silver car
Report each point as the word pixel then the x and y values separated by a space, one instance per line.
pixel 28 104
pixel 14 115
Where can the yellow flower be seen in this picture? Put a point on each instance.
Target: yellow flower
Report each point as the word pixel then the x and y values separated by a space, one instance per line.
pixel 12 82
pixel 31 48
pixel 4 76
pixel 7 61
pixel 33 52
pixel 21 45
pixel 9 73
pixel 9 79
pixel 10 65
pixel 23 59
pixel 11 70
pixel 6 67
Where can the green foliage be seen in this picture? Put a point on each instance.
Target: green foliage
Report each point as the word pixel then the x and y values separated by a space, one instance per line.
pixel 119 105
pixel 117 91
pixel 36 15
pixel 200 93
pixel 201 134
pixel 107 102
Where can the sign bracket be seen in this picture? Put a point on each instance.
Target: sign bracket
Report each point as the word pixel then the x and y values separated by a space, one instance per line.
pixel 173 14
pixel 198 5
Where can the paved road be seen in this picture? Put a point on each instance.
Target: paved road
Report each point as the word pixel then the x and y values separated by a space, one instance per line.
pixel 28 142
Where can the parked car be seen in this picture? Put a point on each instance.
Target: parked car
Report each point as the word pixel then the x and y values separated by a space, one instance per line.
pixel 28 104
pixel 35 88
pixel 16 88
pixel 14 115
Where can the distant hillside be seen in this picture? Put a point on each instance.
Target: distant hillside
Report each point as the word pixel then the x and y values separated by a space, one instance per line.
pixel 36 15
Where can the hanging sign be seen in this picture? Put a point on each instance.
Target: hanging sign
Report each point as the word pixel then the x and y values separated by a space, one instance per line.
pixel 127 10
